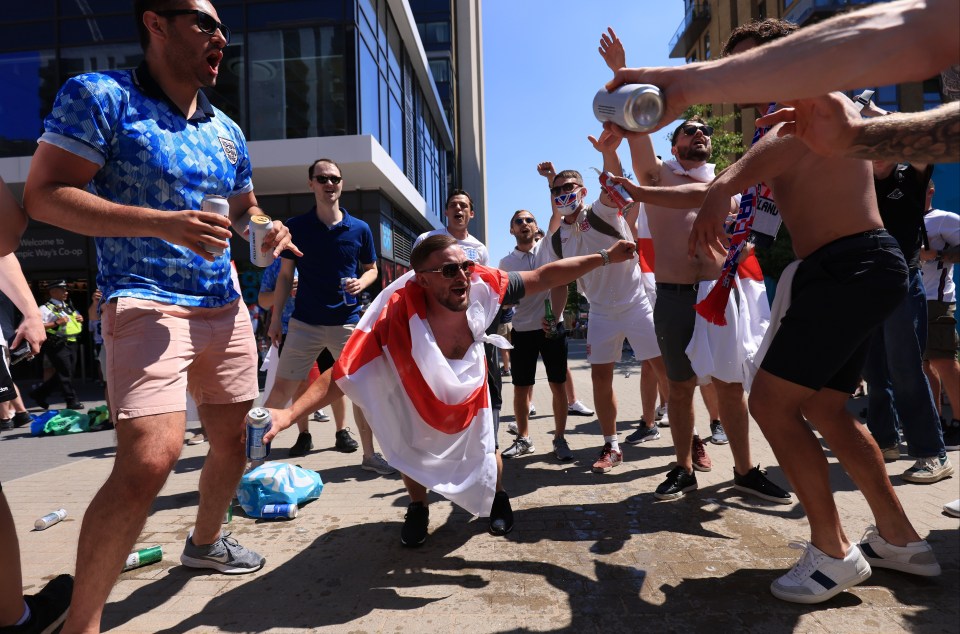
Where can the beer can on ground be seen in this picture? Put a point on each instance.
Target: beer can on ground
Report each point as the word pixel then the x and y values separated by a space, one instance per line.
pixel 215 205
pixel 348 299
pixel 143 557
pixel 258 422
pixel 620 196
pixel 260 226
pixel 635 107
pixel 271 511
pixel 50 519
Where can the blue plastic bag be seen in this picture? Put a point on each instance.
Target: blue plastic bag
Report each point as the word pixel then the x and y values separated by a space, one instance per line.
pixel 40 421
pixel 277 483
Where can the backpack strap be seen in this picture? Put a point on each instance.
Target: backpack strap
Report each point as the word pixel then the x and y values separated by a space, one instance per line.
pixel 557 244
pixel 595 222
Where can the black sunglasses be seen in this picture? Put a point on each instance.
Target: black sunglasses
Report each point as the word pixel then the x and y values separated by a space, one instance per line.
pixel 205 21
pixel 524 220
pixel 323 180
pixel 690 130
pixel 566 188
pixel 450 270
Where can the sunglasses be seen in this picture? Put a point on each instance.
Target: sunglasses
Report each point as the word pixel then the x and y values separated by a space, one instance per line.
pixel 205 21
pixel 566 188
pixel 690 130
pixel 524 221
pixel 450 270
pixel 323 180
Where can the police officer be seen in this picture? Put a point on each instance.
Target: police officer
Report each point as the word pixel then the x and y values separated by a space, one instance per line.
pixel 63 325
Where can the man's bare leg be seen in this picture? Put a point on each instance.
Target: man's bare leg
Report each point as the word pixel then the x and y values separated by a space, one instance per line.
pixel 147 450
pixel 339 409
pixel 303 423
pixel 648 391
pixel 948 371
pixel 363 429
pixel 708 393
pixel 521 408
pixel 11 581
pixel 732 407
pixel 681 420
pixel 604 398
pixel 559 409
pixel 222 467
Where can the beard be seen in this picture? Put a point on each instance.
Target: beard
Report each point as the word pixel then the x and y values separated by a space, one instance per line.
pixel 691 153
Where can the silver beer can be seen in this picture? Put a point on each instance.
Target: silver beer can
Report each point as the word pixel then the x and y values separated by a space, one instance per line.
pixel 634 107
pixel 258 423
pixel 260 226
pixel 215 205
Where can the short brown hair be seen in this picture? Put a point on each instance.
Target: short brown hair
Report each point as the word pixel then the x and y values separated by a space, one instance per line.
pixel 574 174
pixel 323 160
pixel 458 192
pixel 429 246
pixel 142 6
pixel 675 136
pixel 760 31
pixel 521 211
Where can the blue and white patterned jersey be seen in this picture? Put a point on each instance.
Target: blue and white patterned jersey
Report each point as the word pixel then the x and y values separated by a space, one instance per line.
pixel 267 285
pixel 151 155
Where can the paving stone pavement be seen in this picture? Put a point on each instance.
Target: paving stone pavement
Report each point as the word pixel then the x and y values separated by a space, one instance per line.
pixel 590 553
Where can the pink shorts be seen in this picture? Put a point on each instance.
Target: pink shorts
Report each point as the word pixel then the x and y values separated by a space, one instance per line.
pixel 156 352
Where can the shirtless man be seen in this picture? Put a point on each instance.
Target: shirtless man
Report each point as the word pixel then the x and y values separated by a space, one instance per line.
pixel 851 277
pixel 678 278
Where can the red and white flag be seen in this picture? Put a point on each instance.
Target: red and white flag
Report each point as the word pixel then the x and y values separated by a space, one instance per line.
pixel 431 415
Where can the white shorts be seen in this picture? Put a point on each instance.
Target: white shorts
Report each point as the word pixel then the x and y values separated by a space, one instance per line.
pixel 606 334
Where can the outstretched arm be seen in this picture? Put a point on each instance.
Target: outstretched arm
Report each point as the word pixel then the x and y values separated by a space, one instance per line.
pixel 564 271
pixel 321 393
pixel 611 50
pixel 885 43
pixel 684 196
pixel 14 285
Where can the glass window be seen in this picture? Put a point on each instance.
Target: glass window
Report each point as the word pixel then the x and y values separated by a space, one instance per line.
pixel 96 29
pixel 369 99
pixel 433 33
pixel 30 84
pixel 440 69
pixel 33 10
pixel 271 15
pixel 81 8
pixel 297 77
pixel 396 130
pixel 28 36
pixel 384 107
pixel 706 46
pixel 228 95
pixel 88 59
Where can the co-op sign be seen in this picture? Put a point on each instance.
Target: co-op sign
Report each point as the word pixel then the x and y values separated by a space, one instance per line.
pixel 49 248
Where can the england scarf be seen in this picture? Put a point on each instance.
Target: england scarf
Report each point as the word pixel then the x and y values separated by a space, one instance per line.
pixel 431 415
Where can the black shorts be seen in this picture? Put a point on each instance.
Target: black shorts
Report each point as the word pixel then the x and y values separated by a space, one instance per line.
pixel 841 292
pixel 673 320
pixel 530 344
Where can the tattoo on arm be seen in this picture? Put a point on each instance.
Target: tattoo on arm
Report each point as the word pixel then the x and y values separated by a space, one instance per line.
pixel 923 137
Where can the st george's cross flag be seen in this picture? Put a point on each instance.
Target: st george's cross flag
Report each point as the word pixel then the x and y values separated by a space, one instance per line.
pixel 431 415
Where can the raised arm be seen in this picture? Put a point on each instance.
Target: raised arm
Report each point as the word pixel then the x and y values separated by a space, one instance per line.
pixel 547 170
pixel 320 394
pixel 885 43
pixel 684 196
pixel 564 271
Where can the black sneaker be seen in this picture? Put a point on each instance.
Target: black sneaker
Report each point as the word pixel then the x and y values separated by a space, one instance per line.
pixel 303 445
pixel 6 424
pixel 39 400
pixel 345 441
pixel 501 514
pixel 76 406
pixel 756 483
pixel 22 418
pixel 415 522
pixel 48 608
pixel 677 483
pixel 951 435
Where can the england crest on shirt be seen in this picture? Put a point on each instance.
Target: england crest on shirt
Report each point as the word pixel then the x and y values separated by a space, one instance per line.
pixel 230 149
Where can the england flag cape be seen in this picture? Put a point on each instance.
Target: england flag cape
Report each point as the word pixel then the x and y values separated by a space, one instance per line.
pixel 431 415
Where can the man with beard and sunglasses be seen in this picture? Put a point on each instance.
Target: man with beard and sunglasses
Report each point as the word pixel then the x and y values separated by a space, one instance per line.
pixel 415 365
pixel 128 156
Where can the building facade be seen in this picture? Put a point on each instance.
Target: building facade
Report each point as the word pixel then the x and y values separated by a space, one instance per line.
pixel 707 25
pixel 351 80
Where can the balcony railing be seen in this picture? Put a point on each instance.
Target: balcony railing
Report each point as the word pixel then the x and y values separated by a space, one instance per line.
pixel 696 19
pixel 802 11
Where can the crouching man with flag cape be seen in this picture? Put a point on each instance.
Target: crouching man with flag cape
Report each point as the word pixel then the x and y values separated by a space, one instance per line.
pixel 415 366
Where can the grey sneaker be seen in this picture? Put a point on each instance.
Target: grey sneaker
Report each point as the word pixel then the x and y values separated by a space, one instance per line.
pixel 643 434
pixel 520 447
pixel 225 555
pixel 561 449
pixel 717 435
pixel 928 470
pixel 377 464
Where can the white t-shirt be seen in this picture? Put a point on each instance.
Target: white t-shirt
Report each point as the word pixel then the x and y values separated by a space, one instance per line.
pixel 943 229
pixel 529 313
pixel 474 249
pixel 609 289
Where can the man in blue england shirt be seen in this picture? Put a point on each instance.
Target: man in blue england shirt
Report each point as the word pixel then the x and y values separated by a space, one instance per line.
pixel 336 246
pixel 128 156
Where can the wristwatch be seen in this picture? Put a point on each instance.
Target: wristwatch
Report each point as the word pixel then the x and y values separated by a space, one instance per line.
pixel 606 256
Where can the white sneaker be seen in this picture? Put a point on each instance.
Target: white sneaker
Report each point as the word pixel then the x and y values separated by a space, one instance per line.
pixel 579 409
pixel 953 508
pixel 533 410
pixel 320 416
pixel 662 418
pixel 817 576
pixel 928 470
pixel 917 558
pixel 512 428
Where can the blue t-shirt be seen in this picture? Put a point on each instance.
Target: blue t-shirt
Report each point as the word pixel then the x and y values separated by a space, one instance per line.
pixel 269 282
pixel 329 253
pixel 151 155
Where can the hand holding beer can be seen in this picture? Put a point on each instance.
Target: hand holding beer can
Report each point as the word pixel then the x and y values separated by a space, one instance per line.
pixel 260 226
pixel 349 299
pixel 620 196
pixel 215 205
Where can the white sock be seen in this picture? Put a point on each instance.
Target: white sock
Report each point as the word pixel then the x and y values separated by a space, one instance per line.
pixel 614 443
pixel 26 615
